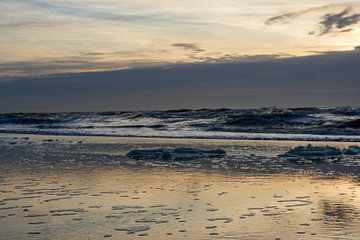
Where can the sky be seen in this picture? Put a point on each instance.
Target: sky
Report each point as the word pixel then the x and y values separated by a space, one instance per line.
pixel 51 36
pixel 65 46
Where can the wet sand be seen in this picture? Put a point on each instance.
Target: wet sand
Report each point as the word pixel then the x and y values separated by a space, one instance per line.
pixel 129 203
pixel 84 188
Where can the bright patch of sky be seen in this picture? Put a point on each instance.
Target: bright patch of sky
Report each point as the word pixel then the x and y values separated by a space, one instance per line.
pixel 87 35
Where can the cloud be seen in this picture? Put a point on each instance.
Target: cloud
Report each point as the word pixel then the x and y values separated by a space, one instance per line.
pixel 330 22
pixel 284 18
pixel 319 80
pixel 92 63
pixel 192 50
pixel 193 47
pixel 338 22
pixel 142 16
pixel 104 61
pixel 28 24
pixel 287 17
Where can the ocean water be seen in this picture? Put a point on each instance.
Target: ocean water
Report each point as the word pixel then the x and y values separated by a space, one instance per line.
pixel 315 124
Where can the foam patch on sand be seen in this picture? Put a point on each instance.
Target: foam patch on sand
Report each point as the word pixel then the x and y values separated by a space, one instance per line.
pixel 318 153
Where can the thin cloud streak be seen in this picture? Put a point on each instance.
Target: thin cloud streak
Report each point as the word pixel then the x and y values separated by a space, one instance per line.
pixel 287 17
pixel 93 61
pixel 87 12
pixel 188 47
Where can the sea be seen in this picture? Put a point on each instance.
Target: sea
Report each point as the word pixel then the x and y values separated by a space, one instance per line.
pixel 307 124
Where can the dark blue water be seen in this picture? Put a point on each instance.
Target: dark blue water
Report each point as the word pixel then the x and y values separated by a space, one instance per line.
pixel 334 124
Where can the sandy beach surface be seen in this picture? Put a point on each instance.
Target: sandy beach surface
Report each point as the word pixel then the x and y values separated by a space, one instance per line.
pixel 63 187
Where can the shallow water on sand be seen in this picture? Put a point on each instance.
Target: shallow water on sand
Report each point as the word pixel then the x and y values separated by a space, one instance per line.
pixel 122 203
pixel 47 152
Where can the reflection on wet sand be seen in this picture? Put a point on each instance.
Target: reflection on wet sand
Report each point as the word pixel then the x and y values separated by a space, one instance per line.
pixel 172 204
pixel 340 214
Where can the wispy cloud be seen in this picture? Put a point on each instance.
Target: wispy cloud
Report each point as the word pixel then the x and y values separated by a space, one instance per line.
pixel 31 24
pixel 92 63
pixel 132 13
pixel 192 50
pixel 338 22
pixel 330 22
pixel 287 17
pixel 188 47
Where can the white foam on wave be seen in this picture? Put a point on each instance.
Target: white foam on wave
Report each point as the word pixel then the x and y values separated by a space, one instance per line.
pixel 312 124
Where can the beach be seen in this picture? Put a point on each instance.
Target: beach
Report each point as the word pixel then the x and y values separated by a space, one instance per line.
pixel 156 120
pixel 86 187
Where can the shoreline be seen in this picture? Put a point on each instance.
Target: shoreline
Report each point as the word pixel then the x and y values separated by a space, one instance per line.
pixel 254 156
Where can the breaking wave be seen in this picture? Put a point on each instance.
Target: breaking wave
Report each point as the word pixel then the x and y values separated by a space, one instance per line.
pixel 333 124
